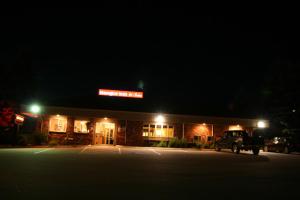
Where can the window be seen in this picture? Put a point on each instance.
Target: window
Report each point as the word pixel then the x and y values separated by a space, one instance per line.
pixel 171 131
pixel 58 124
pixel 146 130
pixel 152 130
pixel 102 127
pixel 80 126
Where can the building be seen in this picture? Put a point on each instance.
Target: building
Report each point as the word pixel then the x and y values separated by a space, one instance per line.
pixel 93 126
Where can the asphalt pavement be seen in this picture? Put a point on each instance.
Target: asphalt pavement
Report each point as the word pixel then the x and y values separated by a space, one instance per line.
pixel 118 172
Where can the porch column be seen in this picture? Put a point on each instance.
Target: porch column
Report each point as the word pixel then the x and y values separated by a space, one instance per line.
pixel 125 131
pixel 182 130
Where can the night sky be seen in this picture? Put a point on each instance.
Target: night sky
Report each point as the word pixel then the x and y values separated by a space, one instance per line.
pixel 238 65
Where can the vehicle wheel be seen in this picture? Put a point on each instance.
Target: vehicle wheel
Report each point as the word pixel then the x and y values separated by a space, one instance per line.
pixel 255 151
pixel 217 148
pixel 235 149
pixel 286 150
pixel 266 149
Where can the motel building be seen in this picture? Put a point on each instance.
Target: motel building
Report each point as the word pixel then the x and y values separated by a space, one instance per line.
pixel 111 127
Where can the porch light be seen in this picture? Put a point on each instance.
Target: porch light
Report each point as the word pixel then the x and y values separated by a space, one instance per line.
pixel 160 119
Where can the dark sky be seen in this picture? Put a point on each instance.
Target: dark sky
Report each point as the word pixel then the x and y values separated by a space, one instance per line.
pixel 227 65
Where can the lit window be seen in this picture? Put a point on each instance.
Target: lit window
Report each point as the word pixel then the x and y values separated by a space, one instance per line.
pixel 80 126
pixel 158 133
pixel 171 131
pixel 58 124
pixel 103 127
pixel 161 130
pixel 146 130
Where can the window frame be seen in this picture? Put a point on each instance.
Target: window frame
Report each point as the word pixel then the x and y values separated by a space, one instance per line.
pixel 63 118
pixel 87 121
pixel 150 130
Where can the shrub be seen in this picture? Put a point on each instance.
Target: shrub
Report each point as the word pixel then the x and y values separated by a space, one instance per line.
pixel 212 145
pixel 178 143
pixel 162 144
pixel 153 144
pixel 53 142
pixel 173 142
pixel 183 143
pixel 198 145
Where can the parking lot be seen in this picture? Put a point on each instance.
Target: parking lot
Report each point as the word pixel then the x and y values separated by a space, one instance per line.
pixel 110 172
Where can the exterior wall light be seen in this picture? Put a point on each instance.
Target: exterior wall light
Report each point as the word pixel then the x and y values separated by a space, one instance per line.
pixel 261 124
pixel 160 119
pixel 36 109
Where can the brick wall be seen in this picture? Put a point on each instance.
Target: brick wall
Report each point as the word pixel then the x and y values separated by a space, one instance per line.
pixel 178 130
pixel 45 128
pixel 121 129
pixel 191 130
pixel 134 135
pixel 69 137
pixel 219 130
pixel 70 125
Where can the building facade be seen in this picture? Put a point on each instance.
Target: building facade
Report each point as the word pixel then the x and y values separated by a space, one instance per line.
pixel 91 126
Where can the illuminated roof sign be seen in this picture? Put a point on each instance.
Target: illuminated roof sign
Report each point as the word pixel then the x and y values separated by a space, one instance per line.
pixel 19 119
pixel 121 93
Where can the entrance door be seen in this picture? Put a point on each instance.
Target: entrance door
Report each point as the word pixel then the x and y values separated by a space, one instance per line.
pixel 104 133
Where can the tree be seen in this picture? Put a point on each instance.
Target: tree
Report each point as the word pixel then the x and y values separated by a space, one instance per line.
pixel 7 122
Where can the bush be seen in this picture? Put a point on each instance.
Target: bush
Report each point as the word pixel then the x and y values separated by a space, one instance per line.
pixel 178 143
pixel 173 142
pixel 53 142
pixel 212 145
pixel 162 144
pixel 198 145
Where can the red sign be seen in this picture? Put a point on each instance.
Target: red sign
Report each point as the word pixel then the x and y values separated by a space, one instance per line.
pixel 121 93
pixel 19 118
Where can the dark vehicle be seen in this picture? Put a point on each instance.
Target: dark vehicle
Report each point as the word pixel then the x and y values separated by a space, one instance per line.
pixel 280 142
pixel 239 140
pixel 284 144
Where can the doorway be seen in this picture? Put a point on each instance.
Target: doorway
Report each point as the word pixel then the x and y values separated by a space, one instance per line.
pixel 104 133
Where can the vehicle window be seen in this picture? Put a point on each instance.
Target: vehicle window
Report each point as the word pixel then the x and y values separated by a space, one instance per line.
pixel 229 134
pixel 282 139
pixel 243 134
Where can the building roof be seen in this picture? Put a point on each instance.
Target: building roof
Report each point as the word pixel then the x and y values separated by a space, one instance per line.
pixel 145 116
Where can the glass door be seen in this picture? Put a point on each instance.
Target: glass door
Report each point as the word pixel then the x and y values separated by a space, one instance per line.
pixel 105 131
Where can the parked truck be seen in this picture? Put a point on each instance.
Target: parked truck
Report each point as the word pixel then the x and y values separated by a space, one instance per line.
pixel 238 140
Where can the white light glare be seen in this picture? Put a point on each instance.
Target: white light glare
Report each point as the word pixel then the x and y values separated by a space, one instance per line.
pixel 261 124
pixel 160 119
pixel 35 109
